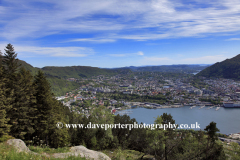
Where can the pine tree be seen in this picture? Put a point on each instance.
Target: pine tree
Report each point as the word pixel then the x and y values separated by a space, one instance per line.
pixel 10 62
pixel 24 106
pixel 49 112
pixel 44 104
pixel 4 105
pixel 10 65
pixel 20 83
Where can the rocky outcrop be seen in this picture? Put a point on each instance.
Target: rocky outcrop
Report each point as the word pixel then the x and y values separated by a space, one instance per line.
pixel 74 151
pixel 19 145
pixel 83 152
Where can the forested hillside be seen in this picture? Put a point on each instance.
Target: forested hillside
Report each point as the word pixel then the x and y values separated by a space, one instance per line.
pixel 229 68
pixel 28 67
pixel 57 76
pixel 59 86
pixel 77 71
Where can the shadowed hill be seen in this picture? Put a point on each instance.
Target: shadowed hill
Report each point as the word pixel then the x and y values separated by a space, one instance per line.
pixel 229 68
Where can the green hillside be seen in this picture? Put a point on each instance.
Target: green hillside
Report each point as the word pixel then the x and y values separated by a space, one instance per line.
pixel 29 67
pixel 57 75
pixel 229 68
pixel 77 71
pixel 60 86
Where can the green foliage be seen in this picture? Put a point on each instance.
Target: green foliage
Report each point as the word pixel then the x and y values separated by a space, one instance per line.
pixel 28 67
pixel 10 62
pixel 232 151
pixel 9 153
pixel 198 83
pixel 57 76
pixel 160 98
pixel 4 106
pixel 123 134
pixel 19 95
pixel 60 86
pixel 215 102
pixel 211 131
pixel 78 71
pixel 46 149
pixel 24 107
pixel 50 111
pixel 229 68
pixel 5 137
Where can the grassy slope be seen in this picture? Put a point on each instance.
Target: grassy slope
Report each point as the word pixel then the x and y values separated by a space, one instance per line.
pixel 7 152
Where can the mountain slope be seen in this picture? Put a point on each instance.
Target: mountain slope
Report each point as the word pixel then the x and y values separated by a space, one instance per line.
pixel 29 67
pixel 77 71
pixel 57 75
pixel 229 68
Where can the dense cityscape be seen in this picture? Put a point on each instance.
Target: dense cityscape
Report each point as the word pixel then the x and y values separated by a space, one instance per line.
pixel 175 91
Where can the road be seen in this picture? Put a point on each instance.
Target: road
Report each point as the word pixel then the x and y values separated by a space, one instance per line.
pixel 229 140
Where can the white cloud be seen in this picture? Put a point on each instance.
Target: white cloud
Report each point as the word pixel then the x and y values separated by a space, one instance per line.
pixel 203 60
pixel 33 51
pixel 195 60
pixel 140 53
pixel 117 55
pixel 144 20
pixel 94 40
pixel 233 39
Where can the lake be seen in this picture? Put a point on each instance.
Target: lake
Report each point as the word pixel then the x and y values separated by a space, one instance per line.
pixel 227 119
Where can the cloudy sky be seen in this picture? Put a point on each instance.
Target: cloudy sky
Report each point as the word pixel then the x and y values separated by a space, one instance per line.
pixel 118 33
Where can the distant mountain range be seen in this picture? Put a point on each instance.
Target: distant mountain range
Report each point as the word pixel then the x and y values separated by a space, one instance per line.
pixel 229 68
pixel 183 68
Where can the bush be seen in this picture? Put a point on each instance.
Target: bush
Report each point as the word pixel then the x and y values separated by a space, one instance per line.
pixel 5 138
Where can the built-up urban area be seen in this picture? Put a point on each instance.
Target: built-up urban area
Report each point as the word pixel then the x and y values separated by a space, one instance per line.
pixel 151 90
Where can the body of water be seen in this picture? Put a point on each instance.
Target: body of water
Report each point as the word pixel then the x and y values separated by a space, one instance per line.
pixel 227 119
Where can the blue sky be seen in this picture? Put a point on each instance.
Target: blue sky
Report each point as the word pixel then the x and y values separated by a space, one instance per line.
pixel 118 33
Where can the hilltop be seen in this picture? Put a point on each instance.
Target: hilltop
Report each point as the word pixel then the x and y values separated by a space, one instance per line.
pixel 72 71
pixel 229 68
pixel 57 76
pixel 78 71
pixel 28 67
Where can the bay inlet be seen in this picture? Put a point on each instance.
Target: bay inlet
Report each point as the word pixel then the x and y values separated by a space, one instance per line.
pixel 227 119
